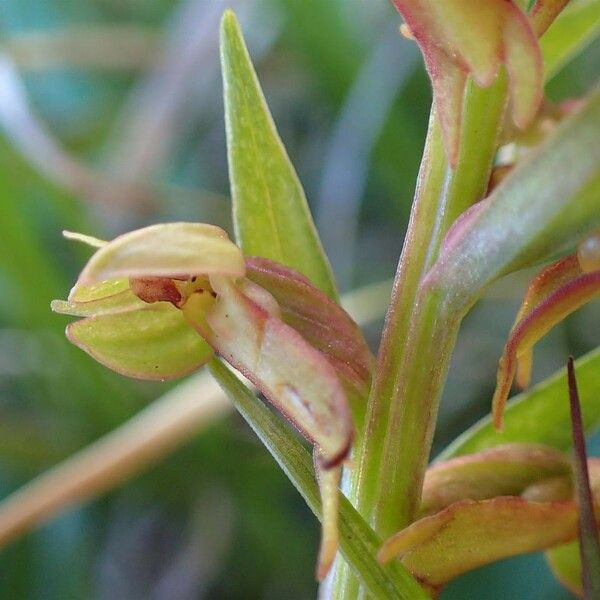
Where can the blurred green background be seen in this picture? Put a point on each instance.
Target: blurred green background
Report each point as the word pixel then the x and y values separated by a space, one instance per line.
pixel 111 118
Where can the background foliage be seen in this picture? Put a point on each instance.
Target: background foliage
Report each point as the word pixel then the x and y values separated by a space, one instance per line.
pixel 131 93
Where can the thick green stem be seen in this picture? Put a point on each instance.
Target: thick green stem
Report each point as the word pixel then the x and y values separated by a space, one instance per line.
pixel 416 345
pixel 413 414
pixel 358 543
pixel 429 187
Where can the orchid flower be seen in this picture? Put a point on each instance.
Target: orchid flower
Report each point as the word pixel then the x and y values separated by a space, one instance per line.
pixel 483 507
pixel 160 301
pixel 459 38
pixel 556 292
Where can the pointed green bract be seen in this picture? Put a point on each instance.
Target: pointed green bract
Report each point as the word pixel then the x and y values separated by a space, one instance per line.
pixel 270 212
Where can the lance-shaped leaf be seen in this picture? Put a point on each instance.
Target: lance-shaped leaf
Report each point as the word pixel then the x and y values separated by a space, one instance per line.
pixel 501 471
pixel 469 534
pixel 270 212
pixel 459 38
pixel 294 376
pixel 320 320
pixel 534 325
pixel 589 542
pixel 541 208
pixel 576 28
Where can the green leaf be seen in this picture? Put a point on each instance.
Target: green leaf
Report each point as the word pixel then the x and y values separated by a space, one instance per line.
pixel 152 343
pixel 565 562
pixel 575 29
pixel 270 212
pixel 538 415
pixel 358 542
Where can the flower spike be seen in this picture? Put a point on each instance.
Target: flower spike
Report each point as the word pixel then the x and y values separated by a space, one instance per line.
pixel 460 38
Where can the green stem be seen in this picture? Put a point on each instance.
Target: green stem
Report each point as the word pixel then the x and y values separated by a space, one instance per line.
pixel 358 542
pixel 417 343
pixel 422 221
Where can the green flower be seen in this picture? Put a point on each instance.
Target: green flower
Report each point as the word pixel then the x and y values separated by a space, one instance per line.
pixel 160 301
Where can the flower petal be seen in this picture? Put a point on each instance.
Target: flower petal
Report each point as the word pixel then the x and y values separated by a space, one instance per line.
pixel 329 483
pixel 502 471
pixel 545 283
pixel 469 534
pixel 99 290
pixel 534 325
pixel 89 240
pixel 103 298
pixel 155 342
pixel 293 375
pixel 458 38
pixel 175 250
pixel 322 322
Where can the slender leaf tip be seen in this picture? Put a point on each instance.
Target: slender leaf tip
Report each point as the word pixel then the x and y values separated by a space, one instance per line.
pixel 589 543
pixel 228 18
